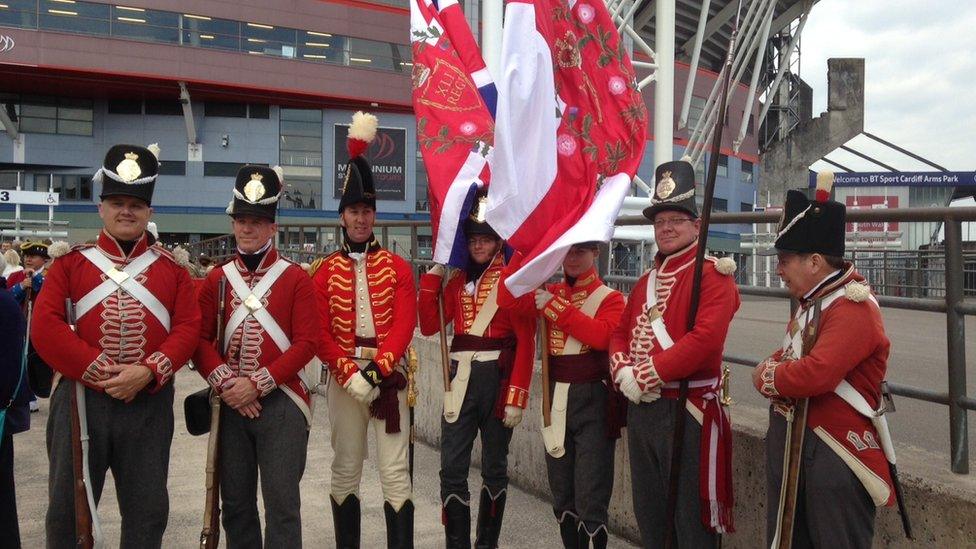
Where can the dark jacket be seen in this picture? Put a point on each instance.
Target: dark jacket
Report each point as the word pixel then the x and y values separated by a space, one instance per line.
pixel 13 330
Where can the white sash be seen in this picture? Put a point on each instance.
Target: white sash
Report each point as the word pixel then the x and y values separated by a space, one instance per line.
pixel 124 280
pixel 251 304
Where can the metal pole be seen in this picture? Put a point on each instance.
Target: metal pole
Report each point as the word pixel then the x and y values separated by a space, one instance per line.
pixel 50 209
pixel 492 13
pixel 664 85
pixel 956 349
pixel 17 209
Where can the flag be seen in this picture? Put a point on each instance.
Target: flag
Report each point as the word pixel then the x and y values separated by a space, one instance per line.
pixel 570 130
pixel 454 102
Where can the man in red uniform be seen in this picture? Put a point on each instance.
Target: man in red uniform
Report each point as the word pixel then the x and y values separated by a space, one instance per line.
pixel 270 332
pixel 586 413
pixel 845 473
pixel 368 310
pixel 492 354
pixel 137 323
pixel 652 351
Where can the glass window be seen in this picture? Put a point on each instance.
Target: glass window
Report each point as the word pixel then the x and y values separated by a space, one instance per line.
pixel 143 24
pixel 173 167
pixel 124 106
pixel 746 170
pixel 19 13
pixel 320 46
pixel 210 32
pixel 370 54
pixel 70 186
pixel 74 127
pixel 79 17
pixel 164 107
pixel 720 204
pixel 232 110
pixel 51 115
pixel 259 110
pixel 745 207
pixel 723 165
pixel 300 153
pixel 258 38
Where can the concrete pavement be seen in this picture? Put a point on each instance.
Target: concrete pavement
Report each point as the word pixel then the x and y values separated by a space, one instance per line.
pixel 529 521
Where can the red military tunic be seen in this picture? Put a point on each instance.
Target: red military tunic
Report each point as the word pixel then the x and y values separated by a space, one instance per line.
pixel 119 329
pixel 462 308
pixel 252 352
pixel 851 345
pixel 695 356
pixel 393 302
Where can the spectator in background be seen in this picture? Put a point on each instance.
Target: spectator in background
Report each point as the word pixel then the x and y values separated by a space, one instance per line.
pixel 14 397
pixel 12 270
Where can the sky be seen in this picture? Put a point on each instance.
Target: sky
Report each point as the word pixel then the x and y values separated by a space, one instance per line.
pixel 920 71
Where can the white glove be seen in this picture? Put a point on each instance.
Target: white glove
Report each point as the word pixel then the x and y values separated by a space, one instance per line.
pixel 360 389
pixel 541 298
pixel 628 385
pixel 437 270
pixel 513 416
pixel 651 395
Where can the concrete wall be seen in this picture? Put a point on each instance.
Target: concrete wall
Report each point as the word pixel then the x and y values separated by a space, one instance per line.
pixel 942 504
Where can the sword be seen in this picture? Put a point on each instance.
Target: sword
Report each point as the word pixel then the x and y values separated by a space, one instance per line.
pixel 412 365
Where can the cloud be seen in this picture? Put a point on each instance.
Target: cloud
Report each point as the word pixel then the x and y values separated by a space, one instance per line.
pixel 920 71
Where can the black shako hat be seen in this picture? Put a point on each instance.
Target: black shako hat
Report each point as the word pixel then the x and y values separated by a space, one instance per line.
pixel 476 224
pixel 256 191
pixel 358 187
pixel 674 189
pixel 129 170
pixel 813 226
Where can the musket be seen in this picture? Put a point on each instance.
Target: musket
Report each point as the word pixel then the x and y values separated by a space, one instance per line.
pixel 87 528
pixel 906 522
pixel 677 436
pixel 210 535
pixel 445 360
pixel 796 427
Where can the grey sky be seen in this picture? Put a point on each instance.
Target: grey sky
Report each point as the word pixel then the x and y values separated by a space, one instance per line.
pixel 920 64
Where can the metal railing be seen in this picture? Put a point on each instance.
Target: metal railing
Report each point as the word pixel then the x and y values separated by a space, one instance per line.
pixel 305 242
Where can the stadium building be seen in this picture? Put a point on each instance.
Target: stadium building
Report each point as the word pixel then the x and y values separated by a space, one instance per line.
pixel 220 84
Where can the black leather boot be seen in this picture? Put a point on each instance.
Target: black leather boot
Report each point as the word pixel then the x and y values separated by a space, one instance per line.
pixel 457 523
pixel 596 540
pixel 399 526
pixel 568 527
pixel 491 509
pixel 346 518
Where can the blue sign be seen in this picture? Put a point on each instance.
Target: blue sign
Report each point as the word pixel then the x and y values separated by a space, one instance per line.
pixel 900 179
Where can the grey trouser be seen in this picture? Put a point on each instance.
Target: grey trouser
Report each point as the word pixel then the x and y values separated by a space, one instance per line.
pixel 649 431
pixel 274 443
pixel 833 508
pixel 477 414
pixel 133 440
pixel 581 480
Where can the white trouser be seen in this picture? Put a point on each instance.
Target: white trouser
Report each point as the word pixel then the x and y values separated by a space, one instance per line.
pixel 349 420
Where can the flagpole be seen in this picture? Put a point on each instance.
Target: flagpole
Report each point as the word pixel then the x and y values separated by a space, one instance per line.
pixel 677 440
pixel 492 15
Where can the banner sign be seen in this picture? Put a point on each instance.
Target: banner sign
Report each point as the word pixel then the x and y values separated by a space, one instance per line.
pixel 387 155
pixel 900 179
pixel 37 198
pixel 872 202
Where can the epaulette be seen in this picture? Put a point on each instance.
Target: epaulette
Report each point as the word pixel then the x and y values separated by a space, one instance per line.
pixel 724 265
pixel 314 267
pixel 158 248
pixel 75 248
pixel 857 291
